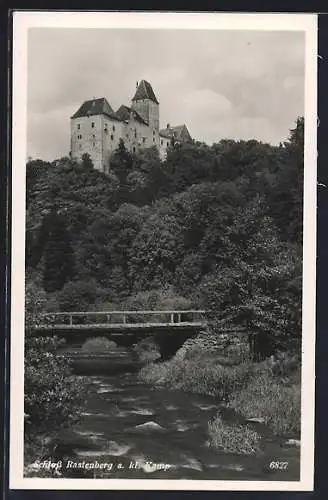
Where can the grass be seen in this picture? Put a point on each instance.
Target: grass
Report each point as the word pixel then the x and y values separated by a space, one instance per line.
pixel 266 397
pixel 254 390
pixel 199 375
pixel 238 439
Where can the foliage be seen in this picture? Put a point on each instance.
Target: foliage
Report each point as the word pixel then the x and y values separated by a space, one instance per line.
pixel 259 285
pixel 147 351
pixel 77 295
pixel 52 397
pixel 199 373
pixel 267 397
pixel 58 253
pixel 87 162
pixel 99 344
pixel 219 227
pixel 237 439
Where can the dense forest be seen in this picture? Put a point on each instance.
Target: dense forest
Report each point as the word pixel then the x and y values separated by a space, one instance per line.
pixel 218 227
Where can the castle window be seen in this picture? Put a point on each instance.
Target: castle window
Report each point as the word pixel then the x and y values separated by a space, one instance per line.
pixel 162 142
pixel 144 139
pixel 134 149
pixel 135 134
pixel 112 137
pixel 78 126
pixel 113 128
pixel 153 132
pixel 106 130
pixel 93 124
pixel 153 139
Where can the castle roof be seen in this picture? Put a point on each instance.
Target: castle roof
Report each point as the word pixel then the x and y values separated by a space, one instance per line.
pixel 96 107
pixel 145 91
pixel 124 113
pixel 179 132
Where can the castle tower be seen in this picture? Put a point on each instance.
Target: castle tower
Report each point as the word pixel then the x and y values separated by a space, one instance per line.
pixel 146 104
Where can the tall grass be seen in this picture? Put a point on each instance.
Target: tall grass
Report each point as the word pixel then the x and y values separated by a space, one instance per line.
pixel 199 375
pixel 266 397
pixel 239 439
pixel 254 390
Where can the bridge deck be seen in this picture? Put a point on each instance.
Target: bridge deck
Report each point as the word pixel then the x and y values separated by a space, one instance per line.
pixel 121 326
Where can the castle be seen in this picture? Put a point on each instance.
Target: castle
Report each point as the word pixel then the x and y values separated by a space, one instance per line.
pixel 96 128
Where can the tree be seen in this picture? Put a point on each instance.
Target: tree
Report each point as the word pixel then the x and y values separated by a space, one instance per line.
pixel 87 162
pixel 58 253
pixel 52 398
pixel 286 198
pixel 261 288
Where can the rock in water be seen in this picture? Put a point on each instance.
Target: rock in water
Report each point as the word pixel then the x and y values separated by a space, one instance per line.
pixel 293 442
pixel 149 426
pixel 256 420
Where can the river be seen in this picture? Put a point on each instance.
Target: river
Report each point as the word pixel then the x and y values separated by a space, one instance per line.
pixel 131 430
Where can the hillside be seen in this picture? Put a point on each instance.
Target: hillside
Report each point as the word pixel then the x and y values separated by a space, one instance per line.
pixel 217 227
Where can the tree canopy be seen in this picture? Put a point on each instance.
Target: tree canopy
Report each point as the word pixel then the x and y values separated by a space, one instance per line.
pixel 220 226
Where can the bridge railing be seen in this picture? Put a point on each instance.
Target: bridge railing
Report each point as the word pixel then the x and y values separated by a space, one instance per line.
pixel 126 317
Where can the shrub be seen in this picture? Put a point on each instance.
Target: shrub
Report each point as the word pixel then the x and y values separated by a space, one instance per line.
pixel 283 364
pixel 239 439
pixel 267 397
pixel 99 344
pixel 78 295
pixel 147 351
pixel 53 398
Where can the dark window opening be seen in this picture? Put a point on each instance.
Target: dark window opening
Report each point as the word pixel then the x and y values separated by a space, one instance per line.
pixel 134 149
pixel 113 128
pixel 153 132
pixel 112 137
pixel 144 139
pixel 92 124
pixel 153 139
pixel 162 142
pixel 78 126
pixel 106 131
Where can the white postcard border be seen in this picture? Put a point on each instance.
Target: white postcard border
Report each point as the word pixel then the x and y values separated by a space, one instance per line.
pixel 151 20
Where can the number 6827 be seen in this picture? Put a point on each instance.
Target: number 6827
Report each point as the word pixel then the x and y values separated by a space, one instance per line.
pixel 279 465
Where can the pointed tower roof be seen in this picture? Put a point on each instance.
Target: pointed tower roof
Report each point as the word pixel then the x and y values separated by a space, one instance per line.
pixel 145 91
pixel 96 107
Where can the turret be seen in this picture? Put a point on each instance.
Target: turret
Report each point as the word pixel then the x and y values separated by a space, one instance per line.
pixel 146 104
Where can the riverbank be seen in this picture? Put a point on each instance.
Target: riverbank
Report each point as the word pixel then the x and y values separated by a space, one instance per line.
pixel 266 393
pixel 143 432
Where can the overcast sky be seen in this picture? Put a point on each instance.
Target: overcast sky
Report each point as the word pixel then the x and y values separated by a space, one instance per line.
pixel 221 84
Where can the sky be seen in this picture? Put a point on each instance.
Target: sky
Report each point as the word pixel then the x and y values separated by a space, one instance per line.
pixel 221 83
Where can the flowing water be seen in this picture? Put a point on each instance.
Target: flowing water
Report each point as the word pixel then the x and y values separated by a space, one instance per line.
pixel 131 430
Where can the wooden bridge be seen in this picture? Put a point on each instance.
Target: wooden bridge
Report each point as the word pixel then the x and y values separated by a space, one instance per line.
pixel 169 329
pixel 122 320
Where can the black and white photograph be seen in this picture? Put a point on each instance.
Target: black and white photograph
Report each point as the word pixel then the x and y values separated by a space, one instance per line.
pixel 163 251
